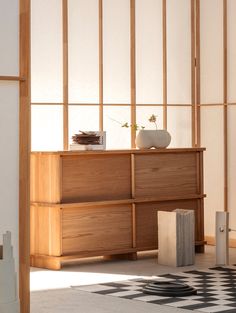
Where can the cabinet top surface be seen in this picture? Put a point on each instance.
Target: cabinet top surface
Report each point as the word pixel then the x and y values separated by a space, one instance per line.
pixel 127 151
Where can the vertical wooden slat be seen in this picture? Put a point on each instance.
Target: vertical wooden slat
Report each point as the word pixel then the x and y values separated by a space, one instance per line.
pixel 198 179
pixel 24 157
pixel 193 73
pixel 65 75
pixel 133 176
pixel 100 9
pixel 134 230
pixel 164 69
pixel 132 71
pixel 198 78
pixel 201 173
pixel 225 91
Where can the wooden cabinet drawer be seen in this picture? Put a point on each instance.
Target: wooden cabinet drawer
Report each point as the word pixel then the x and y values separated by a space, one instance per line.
pixel 146 220
pixel 96 229
pixel 166 174
pixel 94 178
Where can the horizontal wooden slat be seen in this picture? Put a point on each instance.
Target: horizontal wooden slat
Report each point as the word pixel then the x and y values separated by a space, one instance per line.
pixel 129 151
pixel 12 78
pixel 83 204
pixel 111 202
pixel 137 104
pixel 46 103
pixel 170 198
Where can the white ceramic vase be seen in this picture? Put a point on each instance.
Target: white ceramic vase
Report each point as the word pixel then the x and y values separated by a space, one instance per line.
pixel 147 139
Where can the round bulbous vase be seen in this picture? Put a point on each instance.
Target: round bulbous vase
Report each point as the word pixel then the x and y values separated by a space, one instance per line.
pixel 147 139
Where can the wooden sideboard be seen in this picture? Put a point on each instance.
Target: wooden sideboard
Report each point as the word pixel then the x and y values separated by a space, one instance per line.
pixel 105 203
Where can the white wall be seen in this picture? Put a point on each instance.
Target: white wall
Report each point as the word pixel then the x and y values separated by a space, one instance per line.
pixel 212 117
pixel 9 127
pixel 83 78
pixel 232 112
pixel 83 48
pixel 212 125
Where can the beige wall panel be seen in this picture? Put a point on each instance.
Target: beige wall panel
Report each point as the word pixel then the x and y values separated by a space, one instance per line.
pixel 9 177
pixel 212 139
pixel 232 169
pixel 9 39
pixel 231 50
pixel 83 51
pixel 116 38
pixel 179 126
pixel 84 118
pixel 149 51
pixel 211 51
pixel 47 128
pixel 179 51
pixel 46 50
pixel 117 137
pixel 143 114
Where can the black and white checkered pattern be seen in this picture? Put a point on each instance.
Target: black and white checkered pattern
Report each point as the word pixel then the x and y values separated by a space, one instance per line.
pixel 216 290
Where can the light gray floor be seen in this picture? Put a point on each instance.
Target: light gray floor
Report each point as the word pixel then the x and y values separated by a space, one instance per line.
pixel 70 301
pixel 48 299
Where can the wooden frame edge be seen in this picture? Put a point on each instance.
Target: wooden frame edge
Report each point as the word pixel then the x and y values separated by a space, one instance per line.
pixel 12 78
pixel 198 76
pixel 193 72
pixel 24 157
pixel 65 75
pixel 225 91
pixel 132 72
pixel 100 27
pixel 164 63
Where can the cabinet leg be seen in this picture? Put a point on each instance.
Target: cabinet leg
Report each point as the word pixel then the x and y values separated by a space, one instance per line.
pixel 127 256
pixel 200 249
pixel 50 263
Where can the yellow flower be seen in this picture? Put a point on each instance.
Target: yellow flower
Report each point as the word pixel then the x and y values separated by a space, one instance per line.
pixel 125 125
pixel 153 118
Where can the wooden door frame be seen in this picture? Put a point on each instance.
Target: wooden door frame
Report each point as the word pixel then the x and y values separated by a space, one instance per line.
pixel 24 130
pixel 24 156
pixel 24 121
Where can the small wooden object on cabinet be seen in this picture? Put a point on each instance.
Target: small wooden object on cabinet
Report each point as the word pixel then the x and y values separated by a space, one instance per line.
pixel 105 203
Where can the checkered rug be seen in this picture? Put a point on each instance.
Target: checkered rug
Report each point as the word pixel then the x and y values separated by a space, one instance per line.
pixel 216 290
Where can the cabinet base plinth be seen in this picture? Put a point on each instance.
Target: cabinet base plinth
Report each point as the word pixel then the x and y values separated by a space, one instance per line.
pixel 55 262
pixel 125 256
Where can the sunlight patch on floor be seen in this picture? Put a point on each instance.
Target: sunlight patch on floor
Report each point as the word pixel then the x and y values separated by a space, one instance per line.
pixel 46 280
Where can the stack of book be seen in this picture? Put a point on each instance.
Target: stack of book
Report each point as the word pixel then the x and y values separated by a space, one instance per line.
pixel 90 140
